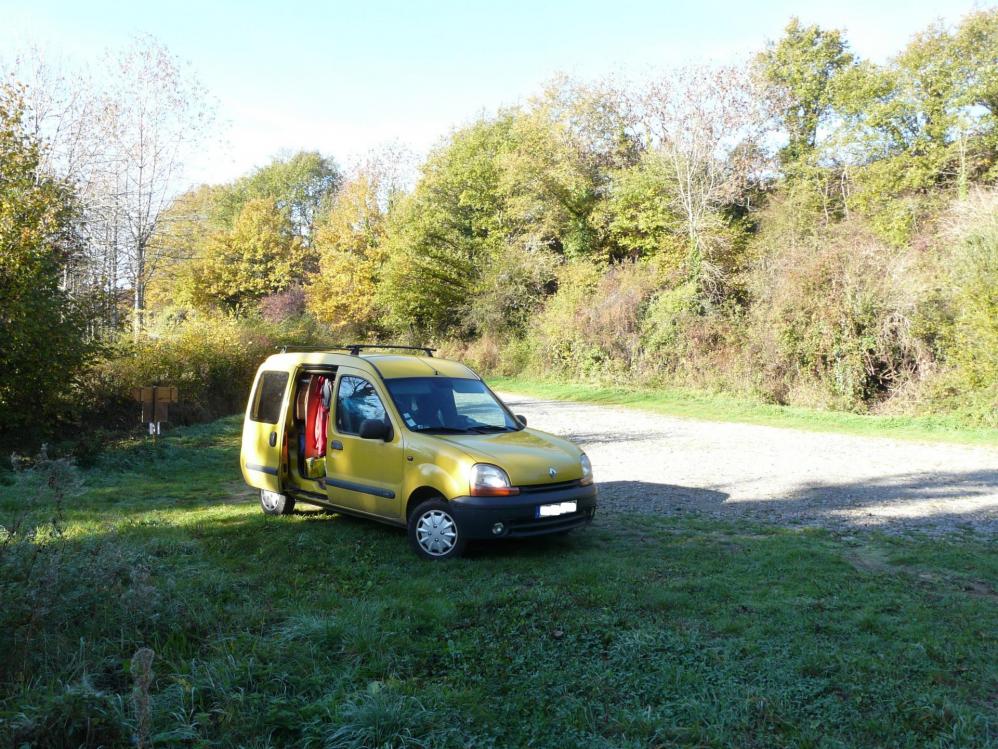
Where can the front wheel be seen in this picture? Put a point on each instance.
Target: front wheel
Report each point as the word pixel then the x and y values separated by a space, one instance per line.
pixel 433 531
pixel 274 503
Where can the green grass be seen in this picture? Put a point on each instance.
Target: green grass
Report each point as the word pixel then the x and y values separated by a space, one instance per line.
pixel 319 631
pixel 694 404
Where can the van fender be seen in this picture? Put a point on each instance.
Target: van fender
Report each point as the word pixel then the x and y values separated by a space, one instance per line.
pixel 428 481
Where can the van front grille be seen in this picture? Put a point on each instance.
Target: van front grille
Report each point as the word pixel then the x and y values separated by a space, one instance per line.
pixel 554 486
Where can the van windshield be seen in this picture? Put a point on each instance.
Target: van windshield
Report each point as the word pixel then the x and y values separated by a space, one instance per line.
pixel 449 405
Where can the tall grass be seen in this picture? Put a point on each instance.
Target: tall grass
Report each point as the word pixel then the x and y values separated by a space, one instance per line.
pixel 315 630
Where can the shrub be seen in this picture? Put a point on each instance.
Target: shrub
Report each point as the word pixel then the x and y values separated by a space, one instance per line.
pixel 491 355
pixel 283 305
pixel 836 310
pixel 667 317
pixel 969 299
pixel 510 290
pixel 211 359
pixel 592 326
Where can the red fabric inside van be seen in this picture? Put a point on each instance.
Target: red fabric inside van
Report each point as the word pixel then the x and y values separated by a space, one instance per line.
pixel 316 419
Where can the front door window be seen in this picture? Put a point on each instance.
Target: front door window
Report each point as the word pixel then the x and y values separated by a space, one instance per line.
pixel 355 402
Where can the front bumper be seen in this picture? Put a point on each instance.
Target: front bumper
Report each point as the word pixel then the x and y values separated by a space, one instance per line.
pixel 477 516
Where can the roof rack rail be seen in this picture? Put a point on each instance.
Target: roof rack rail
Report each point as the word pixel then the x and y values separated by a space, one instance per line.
pixel 295 347
pixel 356 348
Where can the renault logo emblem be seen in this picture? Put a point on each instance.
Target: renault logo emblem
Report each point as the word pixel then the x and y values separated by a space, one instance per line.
pixel 552 472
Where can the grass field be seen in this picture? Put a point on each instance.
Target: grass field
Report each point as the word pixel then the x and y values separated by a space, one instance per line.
pixel 720 407
pixel 319 631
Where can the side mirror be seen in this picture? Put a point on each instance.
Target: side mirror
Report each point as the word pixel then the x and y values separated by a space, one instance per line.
pixel 522 419
pixel 375 429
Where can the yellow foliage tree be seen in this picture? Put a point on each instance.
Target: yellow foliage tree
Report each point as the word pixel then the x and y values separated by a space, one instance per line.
pixel 184 230
pixel 260 255
pixel 349 242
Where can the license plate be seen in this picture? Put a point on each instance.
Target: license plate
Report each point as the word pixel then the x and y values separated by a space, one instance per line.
pixel 561 508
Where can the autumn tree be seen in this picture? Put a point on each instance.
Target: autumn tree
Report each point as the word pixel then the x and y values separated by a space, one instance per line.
pixel 261 254
pixel 350 245
pixel 702 126
pixel 187 236
pixel 188 226
pixel 156 114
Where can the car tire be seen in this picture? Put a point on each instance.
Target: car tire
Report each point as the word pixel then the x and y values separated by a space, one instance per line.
pixel 274 503
pixel 433 531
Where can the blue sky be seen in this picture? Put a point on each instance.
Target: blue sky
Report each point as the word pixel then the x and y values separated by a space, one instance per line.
pixel 346 77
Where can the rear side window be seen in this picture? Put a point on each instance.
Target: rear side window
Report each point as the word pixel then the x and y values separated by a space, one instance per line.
pixel 268 398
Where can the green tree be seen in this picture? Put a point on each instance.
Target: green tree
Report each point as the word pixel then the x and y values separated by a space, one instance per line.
pixel 42 327
pixel 441 238
pixel 555 172
pixel 930 104
pixel 976 47
pixel 920 125
pixel 799 70
pixel 299 185
pixel 642 217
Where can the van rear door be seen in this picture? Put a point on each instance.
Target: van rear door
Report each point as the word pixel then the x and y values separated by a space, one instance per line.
pixel 263 430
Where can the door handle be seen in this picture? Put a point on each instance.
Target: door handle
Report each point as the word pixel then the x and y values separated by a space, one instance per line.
pixel 336 445
pixel 273 439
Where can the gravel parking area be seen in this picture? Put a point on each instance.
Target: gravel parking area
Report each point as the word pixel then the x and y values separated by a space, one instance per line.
pixel 648 463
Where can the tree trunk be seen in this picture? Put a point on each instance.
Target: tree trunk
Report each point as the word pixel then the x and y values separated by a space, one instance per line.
pixel 139 295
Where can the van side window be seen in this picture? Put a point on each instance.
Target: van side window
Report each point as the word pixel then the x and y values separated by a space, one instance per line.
pixel 356 401
pixel 268 397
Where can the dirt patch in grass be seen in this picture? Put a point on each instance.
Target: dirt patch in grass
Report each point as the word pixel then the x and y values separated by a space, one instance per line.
pixel 873 560
pixel 237 493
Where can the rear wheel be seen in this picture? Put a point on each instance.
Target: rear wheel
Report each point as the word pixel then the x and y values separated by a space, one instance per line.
pixel 274 503
pixel 433 531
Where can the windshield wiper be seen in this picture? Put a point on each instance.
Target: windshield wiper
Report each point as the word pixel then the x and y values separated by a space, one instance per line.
pixel 483 429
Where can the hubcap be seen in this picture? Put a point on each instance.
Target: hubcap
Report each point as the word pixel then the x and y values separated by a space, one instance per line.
pixel 269 499
pixel 436 532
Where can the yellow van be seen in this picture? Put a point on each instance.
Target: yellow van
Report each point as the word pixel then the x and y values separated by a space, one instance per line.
pixel 408 439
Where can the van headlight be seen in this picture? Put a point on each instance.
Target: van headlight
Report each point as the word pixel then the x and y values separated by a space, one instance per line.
pixel 587 470
pixel 487 480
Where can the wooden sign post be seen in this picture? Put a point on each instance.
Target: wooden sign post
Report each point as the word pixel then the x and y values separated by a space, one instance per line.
pixel 155 400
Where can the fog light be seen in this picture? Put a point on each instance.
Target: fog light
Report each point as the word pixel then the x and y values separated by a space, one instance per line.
pixel 498 528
